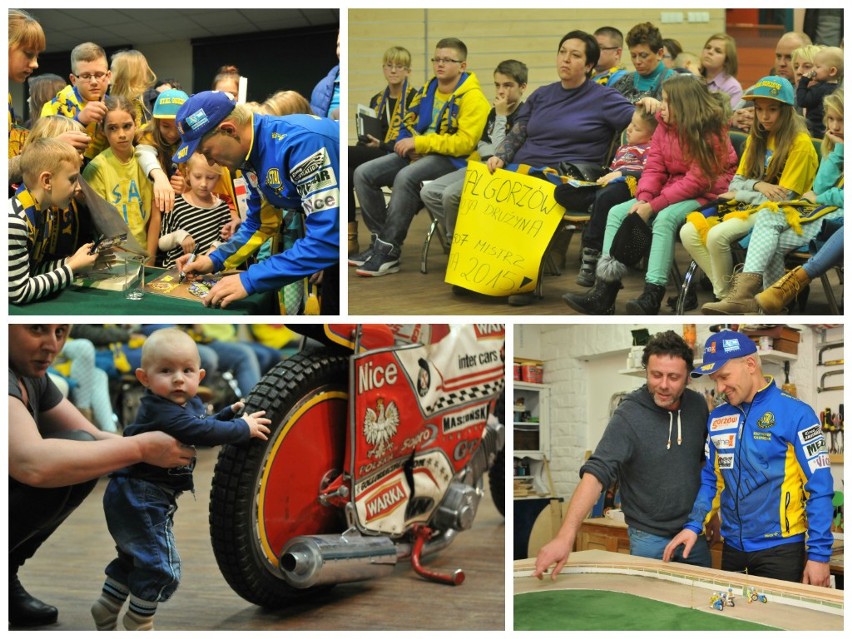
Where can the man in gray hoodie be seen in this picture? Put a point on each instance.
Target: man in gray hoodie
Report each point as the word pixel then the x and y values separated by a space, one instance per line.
pixel 654 447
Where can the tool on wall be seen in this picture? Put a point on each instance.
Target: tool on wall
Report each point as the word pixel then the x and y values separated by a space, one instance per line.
pixel 831 362
pixel 823 388
pixel 788 388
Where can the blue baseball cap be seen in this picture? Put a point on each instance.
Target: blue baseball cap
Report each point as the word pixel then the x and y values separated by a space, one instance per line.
pixel 169 103
pixel 198 116
pixel 722 347
pixel 773 87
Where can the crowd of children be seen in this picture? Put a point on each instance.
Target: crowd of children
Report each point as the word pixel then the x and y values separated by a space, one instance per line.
pixel 126 137
pixel 680 183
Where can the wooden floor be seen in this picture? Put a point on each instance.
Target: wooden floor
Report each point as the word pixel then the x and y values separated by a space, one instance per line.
pixel 411 292
pixel 68 572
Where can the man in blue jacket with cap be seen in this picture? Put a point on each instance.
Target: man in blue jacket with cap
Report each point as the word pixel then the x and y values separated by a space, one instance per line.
pixel 768 451
pixel 293 161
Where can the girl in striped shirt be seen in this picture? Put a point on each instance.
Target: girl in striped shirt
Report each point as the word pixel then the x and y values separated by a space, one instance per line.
pixel 198 217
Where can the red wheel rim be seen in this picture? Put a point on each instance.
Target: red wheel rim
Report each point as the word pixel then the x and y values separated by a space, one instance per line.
pixel 309 445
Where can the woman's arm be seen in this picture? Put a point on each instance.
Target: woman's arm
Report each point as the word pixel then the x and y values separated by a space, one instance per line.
pixel 50 463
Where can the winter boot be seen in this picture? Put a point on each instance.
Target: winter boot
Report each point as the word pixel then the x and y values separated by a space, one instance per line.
pixel 775 298
pixel 599 301
pixel 586 276
pixel 353 238
pixel 740 299
pixel 649 302
pixel 690 300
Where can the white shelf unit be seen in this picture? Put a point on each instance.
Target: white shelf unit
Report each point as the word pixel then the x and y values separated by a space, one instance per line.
pixel 530 410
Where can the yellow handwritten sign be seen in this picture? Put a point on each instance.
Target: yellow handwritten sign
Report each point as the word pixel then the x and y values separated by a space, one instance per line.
pixel 505 223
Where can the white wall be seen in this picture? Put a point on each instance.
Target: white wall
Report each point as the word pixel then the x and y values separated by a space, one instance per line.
pixel 581 364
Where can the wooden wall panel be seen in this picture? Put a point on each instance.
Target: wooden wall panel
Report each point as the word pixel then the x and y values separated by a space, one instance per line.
pixel 491 35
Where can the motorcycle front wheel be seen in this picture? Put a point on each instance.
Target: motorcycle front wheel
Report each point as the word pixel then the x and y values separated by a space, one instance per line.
pixel 266 493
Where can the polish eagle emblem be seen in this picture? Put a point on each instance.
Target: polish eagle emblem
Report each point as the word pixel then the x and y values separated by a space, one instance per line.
pixel 380 426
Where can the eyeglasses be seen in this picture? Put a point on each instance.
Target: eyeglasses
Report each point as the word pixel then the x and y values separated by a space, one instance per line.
pixel 445 61
pixel 85 77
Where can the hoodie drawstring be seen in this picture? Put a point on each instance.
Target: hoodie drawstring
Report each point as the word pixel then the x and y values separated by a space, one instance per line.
pixel 679 431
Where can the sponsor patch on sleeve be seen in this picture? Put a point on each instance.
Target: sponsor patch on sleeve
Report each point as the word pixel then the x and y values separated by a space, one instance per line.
pixel 724 422
pixel 323 179
pixel 309 165
pixel 814 447
pixel 819 462
pixel 321 201
pixel 726 462
pixel 810 433
pixel 724 441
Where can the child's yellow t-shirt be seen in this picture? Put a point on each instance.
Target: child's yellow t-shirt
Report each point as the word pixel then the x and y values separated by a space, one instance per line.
pixel 123 185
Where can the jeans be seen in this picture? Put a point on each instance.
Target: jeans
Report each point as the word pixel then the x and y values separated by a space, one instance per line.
pixel 645 544
pixel 829 255
pixel 359 155
pixel 140 518
pixel 241 360
pixel 391 222
pixel 443 196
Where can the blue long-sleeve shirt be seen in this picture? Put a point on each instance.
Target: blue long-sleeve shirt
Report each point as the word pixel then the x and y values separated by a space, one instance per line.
pixel 190 425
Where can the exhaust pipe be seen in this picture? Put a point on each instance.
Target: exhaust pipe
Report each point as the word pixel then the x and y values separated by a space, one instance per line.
pixel 317 560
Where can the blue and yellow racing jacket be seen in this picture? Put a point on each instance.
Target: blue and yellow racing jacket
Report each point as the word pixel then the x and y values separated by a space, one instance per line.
pixel 69 102
pixel 293 164
pixel 774 479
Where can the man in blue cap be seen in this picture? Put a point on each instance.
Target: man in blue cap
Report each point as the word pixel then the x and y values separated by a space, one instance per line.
pixel 291 160
pixel 767 449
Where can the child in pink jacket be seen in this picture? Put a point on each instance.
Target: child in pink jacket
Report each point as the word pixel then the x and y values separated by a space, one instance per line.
pixel 690 163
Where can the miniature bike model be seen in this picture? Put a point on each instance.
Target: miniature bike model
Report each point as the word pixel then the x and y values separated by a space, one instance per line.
pixel 380 444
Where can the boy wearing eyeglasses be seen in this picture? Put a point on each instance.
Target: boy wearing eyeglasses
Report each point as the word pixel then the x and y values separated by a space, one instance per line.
pixel 82 100
pixel 439 132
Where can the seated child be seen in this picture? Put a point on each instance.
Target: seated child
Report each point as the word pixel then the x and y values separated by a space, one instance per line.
pixel 198 217
pixel 117 177
pixel 821 81
pixel 803 61
pixel 50 169
pixel 619 185
pixel 148 567
pixel 689 62
pixel 780 228
pixel 778 163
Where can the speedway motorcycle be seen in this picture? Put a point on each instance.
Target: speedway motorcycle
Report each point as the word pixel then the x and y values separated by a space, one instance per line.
pixel 380 444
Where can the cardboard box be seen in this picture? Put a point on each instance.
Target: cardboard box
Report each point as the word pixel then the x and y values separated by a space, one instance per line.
pixel 779 331
pixel 781 345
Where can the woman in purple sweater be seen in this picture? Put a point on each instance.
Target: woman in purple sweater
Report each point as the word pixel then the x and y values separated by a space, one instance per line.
pixel 573 120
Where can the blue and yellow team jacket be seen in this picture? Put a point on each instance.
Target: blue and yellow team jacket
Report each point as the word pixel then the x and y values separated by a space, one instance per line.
pixel 69 102
pixel 772 465
pixel 456 128
pixel 293 163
